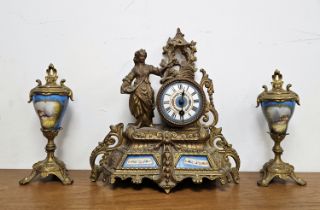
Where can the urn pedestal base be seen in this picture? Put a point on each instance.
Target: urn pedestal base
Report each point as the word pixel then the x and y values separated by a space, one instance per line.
pixel 281 169
pixel 51 165
pixel 164 155
pixel 276 167
pixel 47 167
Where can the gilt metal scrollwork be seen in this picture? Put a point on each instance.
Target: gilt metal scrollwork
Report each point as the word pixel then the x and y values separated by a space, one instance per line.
pixel 156 150
pixel 104 148
pixel 216 138
pixel 206 83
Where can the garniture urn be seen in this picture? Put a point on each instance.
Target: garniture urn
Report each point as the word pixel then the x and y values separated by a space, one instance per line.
pixel 278 106
pixel 50 102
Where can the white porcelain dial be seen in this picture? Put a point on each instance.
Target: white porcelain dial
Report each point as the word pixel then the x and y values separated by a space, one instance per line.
pixel 180 102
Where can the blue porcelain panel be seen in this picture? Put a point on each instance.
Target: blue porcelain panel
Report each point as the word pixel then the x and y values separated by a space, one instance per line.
pixel 193 162
pixel 140 161
pixel 275 103
pixel 50 109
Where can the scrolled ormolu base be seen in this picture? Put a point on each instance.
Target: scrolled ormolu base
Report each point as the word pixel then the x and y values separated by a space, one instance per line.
pixel 48 167
pixel 276 167
pixel 166 156
pixel 51 165
pixel 281 169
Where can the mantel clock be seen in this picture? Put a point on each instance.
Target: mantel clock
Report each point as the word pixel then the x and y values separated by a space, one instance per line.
pixel 187 144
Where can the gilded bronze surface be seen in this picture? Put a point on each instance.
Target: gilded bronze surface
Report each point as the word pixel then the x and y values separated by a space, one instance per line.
pixel 51 165
pixel 165 143
pixel 277 93
pixel 51 86
pixel 276 167
pixel 141 100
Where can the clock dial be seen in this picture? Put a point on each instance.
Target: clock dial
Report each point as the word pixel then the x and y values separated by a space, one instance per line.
pixel 180 102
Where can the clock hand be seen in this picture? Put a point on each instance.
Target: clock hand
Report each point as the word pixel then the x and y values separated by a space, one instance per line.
pixel 181 100
pixel 181 112
pixel 182 94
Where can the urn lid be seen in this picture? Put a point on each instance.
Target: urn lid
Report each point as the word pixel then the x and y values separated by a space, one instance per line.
pixel 277 93
pixel 51 87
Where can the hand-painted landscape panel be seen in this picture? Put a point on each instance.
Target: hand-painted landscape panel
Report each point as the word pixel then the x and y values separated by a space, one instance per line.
pixel 50 109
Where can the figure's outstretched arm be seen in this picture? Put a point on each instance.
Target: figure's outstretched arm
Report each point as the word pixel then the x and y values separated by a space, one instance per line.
pixel 155 70
pixel 161 71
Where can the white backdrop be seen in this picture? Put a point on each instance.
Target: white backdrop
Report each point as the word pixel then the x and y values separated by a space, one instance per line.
pixel 91 43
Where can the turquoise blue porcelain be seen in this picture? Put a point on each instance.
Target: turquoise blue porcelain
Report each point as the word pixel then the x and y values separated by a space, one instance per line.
pixel 140 161
pixel 50 109
pixel 193 162
pixel 278 114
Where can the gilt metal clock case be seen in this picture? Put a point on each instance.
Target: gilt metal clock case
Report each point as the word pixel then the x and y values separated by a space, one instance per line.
pixel 186 144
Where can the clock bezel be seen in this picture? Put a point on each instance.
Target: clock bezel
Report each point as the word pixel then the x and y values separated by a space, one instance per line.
pixel 202 97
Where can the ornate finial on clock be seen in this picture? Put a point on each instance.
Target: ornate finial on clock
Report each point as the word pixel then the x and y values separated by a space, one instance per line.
pixel 182 54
